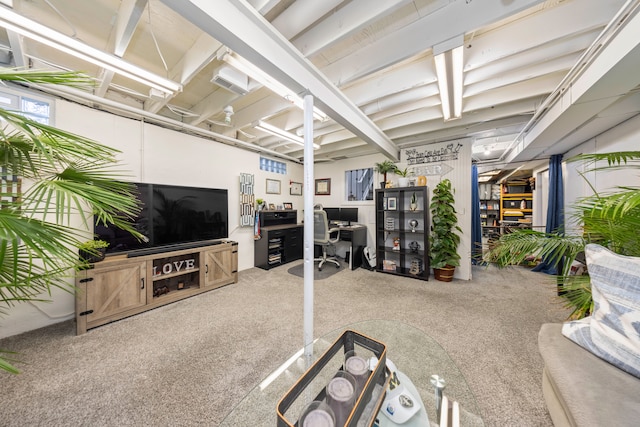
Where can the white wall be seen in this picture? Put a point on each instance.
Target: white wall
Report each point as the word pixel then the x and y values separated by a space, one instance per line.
pixel 156 155
pixel 338 198
pixel 460 177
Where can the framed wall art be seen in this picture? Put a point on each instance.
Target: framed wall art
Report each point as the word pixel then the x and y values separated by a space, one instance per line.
pixel 273 186
pixel 323 187
pixel 296 189
pixel 391 204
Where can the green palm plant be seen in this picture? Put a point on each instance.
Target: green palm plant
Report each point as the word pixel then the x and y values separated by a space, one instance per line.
pixel 610 219
pixel 60 174
pixel 384 168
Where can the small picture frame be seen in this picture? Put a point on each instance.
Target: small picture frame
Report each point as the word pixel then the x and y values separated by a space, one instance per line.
pixel 288 206
pixel 273 186
pixel 391 204
pixel 272 206
pixel 323 187
pixel 295 189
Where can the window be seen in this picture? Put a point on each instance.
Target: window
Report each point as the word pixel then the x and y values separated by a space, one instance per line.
pixel 273 166
pixel 36 109
pixel 359 184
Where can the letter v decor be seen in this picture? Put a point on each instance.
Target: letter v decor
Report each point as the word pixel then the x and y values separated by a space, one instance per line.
pixel 247 200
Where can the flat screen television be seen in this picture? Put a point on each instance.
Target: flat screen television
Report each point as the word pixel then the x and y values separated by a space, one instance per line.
pixel 171 215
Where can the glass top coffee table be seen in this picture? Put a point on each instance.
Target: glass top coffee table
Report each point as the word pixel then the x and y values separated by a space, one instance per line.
pixel 413 352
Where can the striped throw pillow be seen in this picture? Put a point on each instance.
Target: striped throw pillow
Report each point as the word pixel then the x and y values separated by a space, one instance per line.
pixel 612 332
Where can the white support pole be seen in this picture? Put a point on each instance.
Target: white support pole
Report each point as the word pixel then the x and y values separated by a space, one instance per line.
pixel 308 227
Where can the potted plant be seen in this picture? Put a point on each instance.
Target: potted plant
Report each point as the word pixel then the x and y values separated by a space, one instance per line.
pixel 403 181
pixel 259 204
pixel 65 171
pixel 444 240
pixel 608 218
pixel 92 251
pixel 384 168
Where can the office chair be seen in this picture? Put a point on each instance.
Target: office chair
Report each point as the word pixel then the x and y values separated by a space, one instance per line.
pixel 322 236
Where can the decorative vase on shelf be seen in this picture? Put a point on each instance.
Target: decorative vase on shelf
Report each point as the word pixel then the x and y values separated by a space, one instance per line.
pixel 414 202
pixel 413 224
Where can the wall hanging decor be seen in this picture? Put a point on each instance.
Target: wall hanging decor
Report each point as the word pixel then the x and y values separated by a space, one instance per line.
pixel 295 189
pixel 247 201
pixel 323 187
pixel 273 186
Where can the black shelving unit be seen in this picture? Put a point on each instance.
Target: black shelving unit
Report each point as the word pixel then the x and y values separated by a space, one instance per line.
pixel 402 231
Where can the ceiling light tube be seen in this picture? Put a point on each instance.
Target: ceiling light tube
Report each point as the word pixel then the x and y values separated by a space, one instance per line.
pixel 457 77
pixel 281 133
pixel 448 58
pixel 443 85
pixel 42 34
pixel 266 80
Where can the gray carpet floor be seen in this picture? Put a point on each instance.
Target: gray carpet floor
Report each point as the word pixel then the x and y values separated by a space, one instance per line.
pixel 190 363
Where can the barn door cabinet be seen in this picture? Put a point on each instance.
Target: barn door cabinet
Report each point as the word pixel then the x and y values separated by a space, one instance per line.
pixel 119 287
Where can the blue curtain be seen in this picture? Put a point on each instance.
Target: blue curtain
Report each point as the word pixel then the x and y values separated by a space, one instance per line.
pixel 555 209
pixel 476 230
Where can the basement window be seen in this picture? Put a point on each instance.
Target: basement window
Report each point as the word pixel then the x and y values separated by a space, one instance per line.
pixel 359 184
pixel 39 110
pixel 273 166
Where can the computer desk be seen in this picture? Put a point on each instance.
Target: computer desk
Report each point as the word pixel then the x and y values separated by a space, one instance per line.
pixel 357 236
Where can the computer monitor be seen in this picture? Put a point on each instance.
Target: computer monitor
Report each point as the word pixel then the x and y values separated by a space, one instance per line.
pixel 349 215
pixel 333 214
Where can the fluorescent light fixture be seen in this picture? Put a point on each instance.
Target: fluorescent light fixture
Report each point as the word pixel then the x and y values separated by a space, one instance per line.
pixel 448 57
pixel 26 27
pixel 281 133
pixel 266 80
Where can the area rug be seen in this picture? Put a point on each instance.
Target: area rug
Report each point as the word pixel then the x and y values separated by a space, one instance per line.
pixel 328 270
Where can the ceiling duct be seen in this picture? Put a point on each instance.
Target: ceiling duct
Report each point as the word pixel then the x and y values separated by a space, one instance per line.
pixel 231 79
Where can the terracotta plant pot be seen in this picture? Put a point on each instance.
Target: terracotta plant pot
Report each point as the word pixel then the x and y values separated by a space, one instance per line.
pixel 444 274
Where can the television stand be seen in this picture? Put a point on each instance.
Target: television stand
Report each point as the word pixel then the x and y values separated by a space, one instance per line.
pixel 120 286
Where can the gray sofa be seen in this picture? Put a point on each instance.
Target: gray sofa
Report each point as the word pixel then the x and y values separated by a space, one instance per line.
pixel 580 389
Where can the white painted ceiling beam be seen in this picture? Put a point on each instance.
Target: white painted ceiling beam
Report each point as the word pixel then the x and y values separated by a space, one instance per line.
pixel 195 59
pixel 524 34
pixel 521 61
pixel 606 80
pixel 127 20
pixel 537 88
pixel 557 66
pixel 302 14
pixel 263 6
pixel 355 15
pixel 17 48
pixel 433 129
pixel 456 18
pixel 401 78
pixel 239 27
